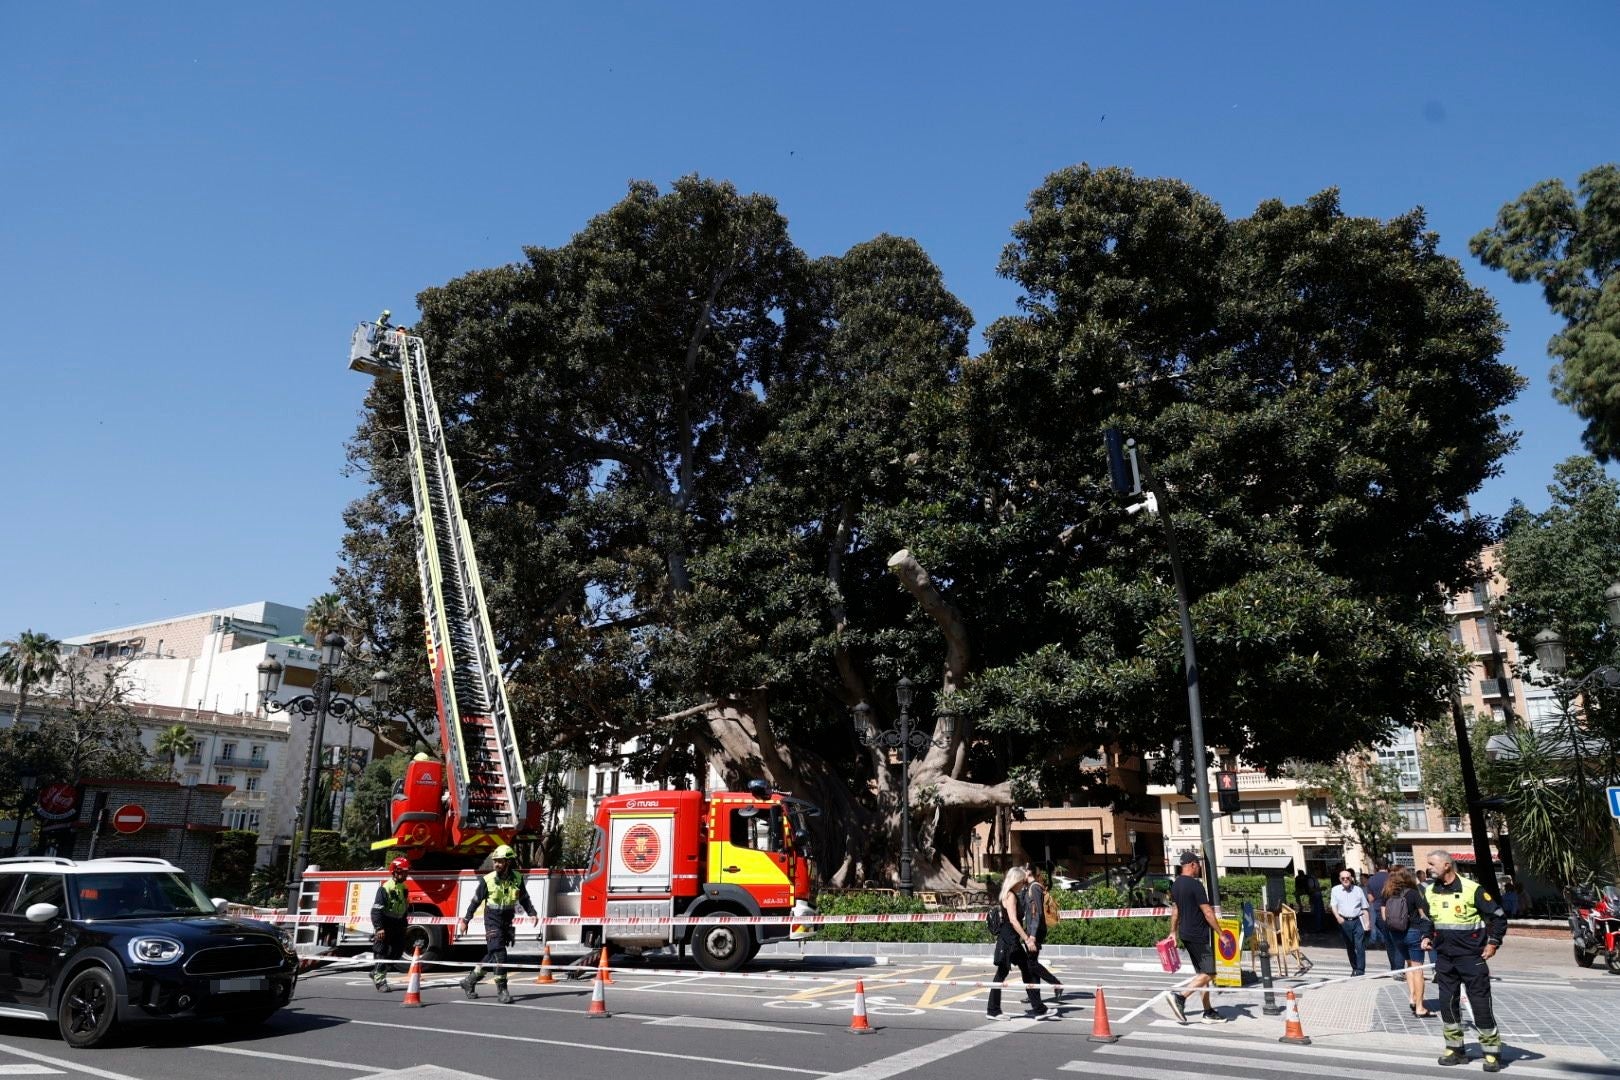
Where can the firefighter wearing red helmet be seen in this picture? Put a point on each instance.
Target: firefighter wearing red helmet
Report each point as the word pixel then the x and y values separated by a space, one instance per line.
pixel 388 921
pixel 500 894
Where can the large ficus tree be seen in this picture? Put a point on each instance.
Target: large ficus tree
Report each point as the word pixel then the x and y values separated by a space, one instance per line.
pixel 1319 395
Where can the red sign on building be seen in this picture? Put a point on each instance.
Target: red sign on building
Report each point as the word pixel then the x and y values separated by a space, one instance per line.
pixel 129 818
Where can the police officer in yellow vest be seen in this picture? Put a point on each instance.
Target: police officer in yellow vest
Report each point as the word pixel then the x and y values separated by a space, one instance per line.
pixel 500 893
pixel 388 912
pixel 1469 925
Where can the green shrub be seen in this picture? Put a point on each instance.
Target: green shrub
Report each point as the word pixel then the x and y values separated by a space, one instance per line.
pixel 1136 933
pixel 232 866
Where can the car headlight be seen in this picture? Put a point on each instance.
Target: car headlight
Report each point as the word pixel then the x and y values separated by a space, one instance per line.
pixel 155 950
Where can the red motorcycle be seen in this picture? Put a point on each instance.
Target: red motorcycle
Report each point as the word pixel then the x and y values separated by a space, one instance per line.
pixel 1595 921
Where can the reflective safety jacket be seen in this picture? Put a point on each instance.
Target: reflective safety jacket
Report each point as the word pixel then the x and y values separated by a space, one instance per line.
pixel 500 896
pixel 389 908
pixel 1466 917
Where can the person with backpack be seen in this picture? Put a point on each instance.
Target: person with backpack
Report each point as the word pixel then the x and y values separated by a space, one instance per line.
pixel 1015 946
pixel 1406 915
pixel 1040 911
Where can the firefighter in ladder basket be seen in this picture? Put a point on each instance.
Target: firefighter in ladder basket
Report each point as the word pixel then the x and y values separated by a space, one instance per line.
pixel 388 912
pixel 500 893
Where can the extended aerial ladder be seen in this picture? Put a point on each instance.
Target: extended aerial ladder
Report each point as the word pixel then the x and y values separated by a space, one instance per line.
pixel 476 800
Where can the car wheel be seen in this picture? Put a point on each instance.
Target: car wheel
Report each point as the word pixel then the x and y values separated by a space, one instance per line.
pixel 721 948
pixel 88 1008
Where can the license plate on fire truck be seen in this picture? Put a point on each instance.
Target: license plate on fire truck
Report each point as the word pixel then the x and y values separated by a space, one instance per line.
pixel 237 986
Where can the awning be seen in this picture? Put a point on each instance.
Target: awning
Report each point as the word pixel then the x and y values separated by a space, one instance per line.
pixel 1239 863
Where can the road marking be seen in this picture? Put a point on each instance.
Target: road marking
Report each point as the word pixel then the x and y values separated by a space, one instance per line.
pixel 737 1063
pixel 931 1052
pixel 1266 1048
pixel 28 1070
pixel 848 985
pixel 71 1066
pixel 723 1024
pixel 932 989
pixel 292 1058
pixel 551 1008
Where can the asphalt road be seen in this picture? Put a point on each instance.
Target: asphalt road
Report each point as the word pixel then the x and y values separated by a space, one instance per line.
pixel 794 1023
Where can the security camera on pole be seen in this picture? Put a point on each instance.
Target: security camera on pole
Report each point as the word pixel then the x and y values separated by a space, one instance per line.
pixel 1128 471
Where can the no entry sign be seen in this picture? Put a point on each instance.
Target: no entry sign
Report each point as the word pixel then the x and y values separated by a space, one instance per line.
pixel 129 818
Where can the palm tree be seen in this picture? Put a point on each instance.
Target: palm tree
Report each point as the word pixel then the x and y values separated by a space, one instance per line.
pixel 29 660
pixel 326 615
pixel 177 742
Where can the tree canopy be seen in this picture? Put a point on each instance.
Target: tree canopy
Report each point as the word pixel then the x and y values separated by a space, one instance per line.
pixel 1569 243
pixel 724 493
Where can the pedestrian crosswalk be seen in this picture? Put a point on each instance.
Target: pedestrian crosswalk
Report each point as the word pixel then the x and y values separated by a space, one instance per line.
pixel 1154 1055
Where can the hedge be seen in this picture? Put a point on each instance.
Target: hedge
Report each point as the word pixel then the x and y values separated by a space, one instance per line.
pixel 1125 933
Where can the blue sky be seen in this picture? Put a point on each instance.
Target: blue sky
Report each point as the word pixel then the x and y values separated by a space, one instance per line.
pixel 201 199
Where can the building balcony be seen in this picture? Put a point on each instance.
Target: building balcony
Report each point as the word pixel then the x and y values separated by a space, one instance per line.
pixel 240 762
pixel 1494 688
pixel 240 798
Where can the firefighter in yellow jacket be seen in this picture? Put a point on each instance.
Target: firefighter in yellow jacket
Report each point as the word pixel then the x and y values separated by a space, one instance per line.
pixel 501 894
pixel 388 912
pixel 1469 925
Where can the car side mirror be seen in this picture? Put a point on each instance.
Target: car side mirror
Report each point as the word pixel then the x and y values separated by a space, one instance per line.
pixel 220 904
pixel 42 913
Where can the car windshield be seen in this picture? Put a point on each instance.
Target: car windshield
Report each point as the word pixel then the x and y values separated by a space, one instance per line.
pixel 145 895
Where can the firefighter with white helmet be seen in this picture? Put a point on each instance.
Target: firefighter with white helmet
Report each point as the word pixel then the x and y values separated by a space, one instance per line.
pixel 388 913
pixel 500 893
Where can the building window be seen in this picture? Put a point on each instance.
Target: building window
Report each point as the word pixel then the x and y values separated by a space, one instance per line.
pixel 1482 594
pixel 250 783
pixel 242 819
pixel 257 754
pixel 227 751
pixel 1414 816
pixel 227 779
pixel 1403 761
pixel 1319 814
pixel 1186 816
pixel 1262 812
pixel 196 755
pixel 1454 823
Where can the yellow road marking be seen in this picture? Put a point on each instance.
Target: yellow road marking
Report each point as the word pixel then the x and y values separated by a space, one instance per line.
pixel 849 985
pixel 933 988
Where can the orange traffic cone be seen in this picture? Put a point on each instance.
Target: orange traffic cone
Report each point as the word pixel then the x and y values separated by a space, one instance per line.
pixel 413 989
pixel 544 977
pixel 603 969
pixel 857 1023
pixel 598 1009
pixel 1292 1031
pixel 1101 1031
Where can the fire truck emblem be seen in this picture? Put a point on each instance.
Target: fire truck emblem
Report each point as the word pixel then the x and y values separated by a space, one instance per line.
pixel 639 848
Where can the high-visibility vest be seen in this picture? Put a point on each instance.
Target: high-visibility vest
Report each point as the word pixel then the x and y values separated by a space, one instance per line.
pixel 501 892
pixel 1455 910
pixel 395 898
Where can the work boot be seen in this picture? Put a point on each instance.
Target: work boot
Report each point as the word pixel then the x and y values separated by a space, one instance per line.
pixel 382 985
pixel 1493 1063
pixel 501 994
pixel 1453 1056
pixel 469 984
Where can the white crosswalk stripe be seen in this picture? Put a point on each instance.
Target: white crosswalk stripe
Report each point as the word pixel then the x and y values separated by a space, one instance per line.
pixel 1158 1053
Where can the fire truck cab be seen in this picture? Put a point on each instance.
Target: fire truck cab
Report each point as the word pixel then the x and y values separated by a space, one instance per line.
pixel 681 853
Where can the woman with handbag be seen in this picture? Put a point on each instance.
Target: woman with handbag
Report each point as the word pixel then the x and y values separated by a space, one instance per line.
pixel 1015 946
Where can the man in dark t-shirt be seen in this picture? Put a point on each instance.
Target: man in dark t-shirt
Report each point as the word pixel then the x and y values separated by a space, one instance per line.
pixel 1192 918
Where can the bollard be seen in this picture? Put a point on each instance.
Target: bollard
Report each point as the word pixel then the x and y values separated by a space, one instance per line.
pixel 1270 1008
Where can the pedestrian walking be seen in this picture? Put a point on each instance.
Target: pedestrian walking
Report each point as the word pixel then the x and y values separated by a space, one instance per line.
pixel 500 894
pixel 1192 918
pixel 1469 926
pixel 1015 947
pixel 1035 922
pixel 1349 905
pixel 1406 917
pixel 388 911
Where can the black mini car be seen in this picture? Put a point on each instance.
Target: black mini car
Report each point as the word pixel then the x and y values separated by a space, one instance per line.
pixel 93 944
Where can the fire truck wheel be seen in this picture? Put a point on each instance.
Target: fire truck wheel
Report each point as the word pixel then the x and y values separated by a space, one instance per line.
pixel 754 945
pixel 721 948
pixel 430 939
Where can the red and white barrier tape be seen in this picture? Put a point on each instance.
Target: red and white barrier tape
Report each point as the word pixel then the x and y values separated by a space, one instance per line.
pixel 742 920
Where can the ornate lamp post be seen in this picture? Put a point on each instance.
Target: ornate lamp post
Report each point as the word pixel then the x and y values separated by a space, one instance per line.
pixel 906 742
pixel 320 704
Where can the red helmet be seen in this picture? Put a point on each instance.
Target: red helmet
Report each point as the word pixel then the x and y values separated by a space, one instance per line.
pixel 401 863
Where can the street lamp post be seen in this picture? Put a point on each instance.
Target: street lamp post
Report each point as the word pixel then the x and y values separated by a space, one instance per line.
pixel 1108 858
pixel 906 742
pixel 1248 852
pixel 320 704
